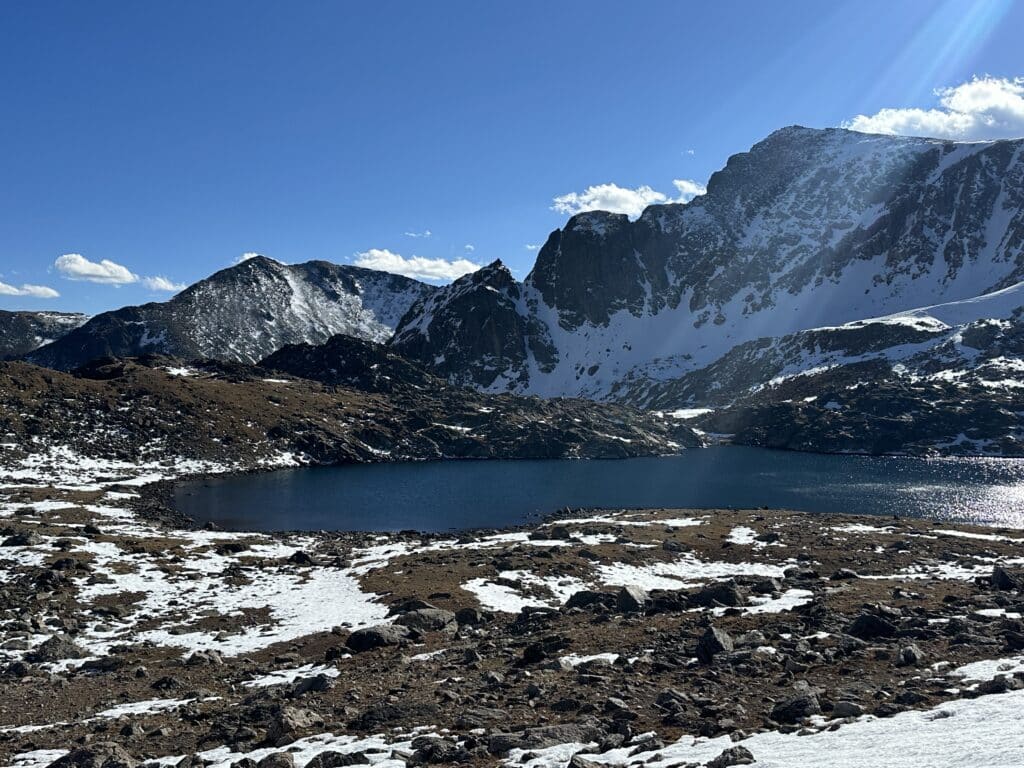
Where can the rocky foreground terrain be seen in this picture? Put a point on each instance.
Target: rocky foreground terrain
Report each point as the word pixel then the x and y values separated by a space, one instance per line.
pixel 656 637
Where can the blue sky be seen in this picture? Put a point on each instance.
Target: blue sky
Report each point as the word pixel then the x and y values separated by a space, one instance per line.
pixel 147 145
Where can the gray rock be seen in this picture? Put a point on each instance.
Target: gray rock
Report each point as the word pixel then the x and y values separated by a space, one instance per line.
pixel 338 760
pixel 713 642
pixel 738 755
pixel 429 620
pixel 910 656
pixel 720 593
pixel 1004 580
pixel 792 711
pixel 56 648
pixel 543 736
pixel 289 721
pixel 585 598
pixel 869 626
pixel 847 709
pixel 100 755
pixel 277 760
pixel 380 636
pixel 632 599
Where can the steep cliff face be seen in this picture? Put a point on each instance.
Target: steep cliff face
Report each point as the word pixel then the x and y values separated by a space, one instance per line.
pixel 245 313
pixel 809 228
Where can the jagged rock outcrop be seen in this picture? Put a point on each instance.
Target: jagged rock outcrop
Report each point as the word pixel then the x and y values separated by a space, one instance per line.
pixel 475 332
pixel 349 362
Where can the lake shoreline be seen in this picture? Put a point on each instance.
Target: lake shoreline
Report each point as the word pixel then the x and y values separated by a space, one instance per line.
pixel 245 647
pixel 391 496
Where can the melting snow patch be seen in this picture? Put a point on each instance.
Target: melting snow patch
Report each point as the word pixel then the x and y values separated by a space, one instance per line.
pixel 574 659
pixel 672 522
pixel 508 598
pixel 979 536
pixel 989 668
pixel 787 601
pixel 861 528
pixel 378 749
pixel 143 707
pixel 685 572
pixel 742 535
pixel 282 676
pixel 969 732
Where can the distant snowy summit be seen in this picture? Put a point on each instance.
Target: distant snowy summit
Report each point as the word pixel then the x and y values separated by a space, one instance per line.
pixel 246 312
pixel 809 228
pixel 22 332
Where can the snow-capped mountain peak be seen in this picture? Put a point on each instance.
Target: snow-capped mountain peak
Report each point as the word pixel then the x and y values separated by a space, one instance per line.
pixel 246 312
pixel 809 228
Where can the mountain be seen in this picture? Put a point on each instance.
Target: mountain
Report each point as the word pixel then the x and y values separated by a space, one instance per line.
pixel 22 332
pixel 942 379
pixel 244 313
pixel 973 343
pixel 809 228
pixel 475 332
pixel 344 361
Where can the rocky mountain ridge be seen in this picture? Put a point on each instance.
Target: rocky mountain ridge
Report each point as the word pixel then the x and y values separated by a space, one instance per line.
pixel 244 313
pixel 809 228
pixel 23 332
pixel 241 417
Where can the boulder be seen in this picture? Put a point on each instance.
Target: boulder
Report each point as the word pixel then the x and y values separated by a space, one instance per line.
pixel 100 755
pixel 632 599
pixel 56 648
pixel 1004 580
pixel 585 598
pixel 380 636
pixel 847 709
pixel 720 593
pixel 287 722
pixel 429 620
pixel 277 760
pixel 738 755
pixel 795 710
pixel 544 736
pixel 910 656
pixel 337 760
pixel 713 642
pixel 869 626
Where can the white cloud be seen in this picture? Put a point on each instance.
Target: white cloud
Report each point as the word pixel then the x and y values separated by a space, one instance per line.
pixel 424 233
pixel 984 108
pixel 469 247
pixel 245 257
pixel 688 189
pixel 74 266
pixel 415 266
pixel 532 247
pixel 615 199
pixel 35 291
pixel 159 283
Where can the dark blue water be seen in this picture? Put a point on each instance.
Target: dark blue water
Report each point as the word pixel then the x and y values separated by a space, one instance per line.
pixel 439 496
